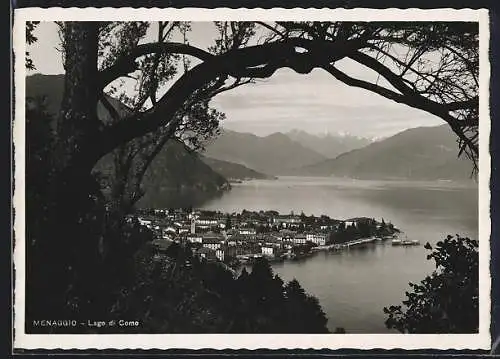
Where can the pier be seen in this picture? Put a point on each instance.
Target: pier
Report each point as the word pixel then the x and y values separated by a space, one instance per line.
pixel 359 241
pixel 339 246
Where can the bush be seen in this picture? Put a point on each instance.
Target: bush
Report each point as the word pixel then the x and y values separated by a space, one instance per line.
pixel 447 301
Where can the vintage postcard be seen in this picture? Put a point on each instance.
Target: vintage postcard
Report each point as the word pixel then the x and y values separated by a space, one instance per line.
pixel 249 178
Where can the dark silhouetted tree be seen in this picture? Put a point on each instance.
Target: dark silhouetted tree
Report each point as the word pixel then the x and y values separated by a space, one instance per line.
pixel 304 309
pixel 447 301
pixel 228 222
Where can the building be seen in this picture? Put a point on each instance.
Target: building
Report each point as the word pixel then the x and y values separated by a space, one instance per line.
pixel 242 239
pixel 268 250
pixel 207 253
pixel 212 244
pixel 317 238
pixel 231 242
pixel 287 221
pixel 271 241
pixel 184 229
pixel 170 230
pixel 212 240
pixel 248 231
pixel 194 238
pixel 286 235
pixel 206 221
pixel 144 222
pixel 225 252
pixel 193 226
pixel 299 238
pixel 219 253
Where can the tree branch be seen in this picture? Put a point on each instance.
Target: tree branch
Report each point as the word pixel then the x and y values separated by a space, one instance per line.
pixel 339 75
pixel 126 63
pixel 415 100
pixel 259 61
pixel 110 108
pixel 460 105
pixel 272 29
pixel 252 56
pixel 394 80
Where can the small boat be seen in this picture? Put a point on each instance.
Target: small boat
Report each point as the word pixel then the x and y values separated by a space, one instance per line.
pixel 413 242
pixel 397 242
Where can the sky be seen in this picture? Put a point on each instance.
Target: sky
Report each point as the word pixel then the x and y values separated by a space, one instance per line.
pixel 316 103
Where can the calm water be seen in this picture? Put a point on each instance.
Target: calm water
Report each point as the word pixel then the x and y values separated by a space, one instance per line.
pixel 353 286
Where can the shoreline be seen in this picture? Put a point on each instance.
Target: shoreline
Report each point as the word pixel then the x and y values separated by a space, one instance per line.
pixel 326 248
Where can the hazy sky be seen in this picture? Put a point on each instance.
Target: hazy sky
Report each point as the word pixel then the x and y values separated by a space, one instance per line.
pixel 316 102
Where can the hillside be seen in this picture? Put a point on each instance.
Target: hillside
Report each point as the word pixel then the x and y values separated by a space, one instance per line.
pixel 424 153
pixel 275 154
pixel 176 177
pixel 179 178
pixel 328 145
pixel 233 171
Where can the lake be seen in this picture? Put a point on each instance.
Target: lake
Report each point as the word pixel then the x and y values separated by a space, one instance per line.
pixel 354 285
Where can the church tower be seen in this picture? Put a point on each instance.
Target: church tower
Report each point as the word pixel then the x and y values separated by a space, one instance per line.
pixel 193 223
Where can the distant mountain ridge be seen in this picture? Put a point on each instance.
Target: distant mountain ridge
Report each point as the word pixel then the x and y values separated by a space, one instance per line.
pixel 328 145
pixel 234 171
pixel 178 178
pixel 275 154
pixel 423 153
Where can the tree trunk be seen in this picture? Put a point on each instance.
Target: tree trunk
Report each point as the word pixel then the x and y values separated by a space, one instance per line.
pixel 78 121
pixel 66 255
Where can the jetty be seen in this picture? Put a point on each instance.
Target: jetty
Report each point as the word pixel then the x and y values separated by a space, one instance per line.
pixel 359 241
pixel 339 246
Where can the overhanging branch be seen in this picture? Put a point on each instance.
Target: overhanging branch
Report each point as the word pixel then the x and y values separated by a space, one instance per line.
pixel 416 100
pixel 348 80
pixel 259 61
pixel 241 62
pixel 126 63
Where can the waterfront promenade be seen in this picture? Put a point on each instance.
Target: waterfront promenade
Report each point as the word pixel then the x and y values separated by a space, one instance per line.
pixel 339 246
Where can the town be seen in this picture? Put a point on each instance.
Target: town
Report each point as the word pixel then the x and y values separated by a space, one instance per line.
pixel 235 238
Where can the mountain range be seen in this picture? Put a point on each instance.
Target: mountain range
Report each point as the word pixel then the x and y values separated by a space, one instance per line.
pixel 328 145
pixel 423 153
pixel 276 154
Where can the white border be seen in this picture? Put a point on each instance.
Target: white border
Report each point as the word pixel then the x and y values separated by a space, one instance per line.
pixel 482 340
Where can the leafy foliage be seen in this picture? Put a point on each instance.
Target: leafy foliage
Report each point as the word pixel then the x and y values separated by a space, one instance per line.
pixel 30 39
pixel 447 300
pixel 196 121
pixel 363 228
